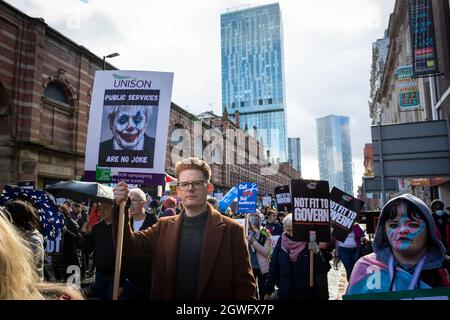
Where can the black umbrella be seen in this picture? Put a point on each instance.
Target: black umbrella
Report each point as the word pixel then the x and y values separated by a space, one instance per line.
pixel 81 191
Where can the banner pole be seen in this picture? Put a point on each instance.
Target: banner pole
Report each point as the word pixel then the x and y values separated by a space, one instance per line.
pixel 119 246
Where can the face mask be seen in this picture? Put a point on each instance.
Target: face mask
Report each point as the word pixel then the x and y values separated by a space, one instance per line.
pixel 440 213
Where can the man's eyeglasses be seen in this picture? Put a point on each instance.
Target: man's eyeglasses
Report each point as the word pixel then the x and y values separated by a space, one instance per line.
pixel 196 185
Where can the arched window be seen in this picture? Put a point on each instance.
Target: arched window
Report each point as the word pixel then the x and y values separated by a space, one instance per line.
pixel 56 92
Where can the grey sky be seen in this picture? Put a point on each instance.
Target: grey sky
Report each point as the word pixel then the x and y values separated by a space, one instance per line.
pixel 328 48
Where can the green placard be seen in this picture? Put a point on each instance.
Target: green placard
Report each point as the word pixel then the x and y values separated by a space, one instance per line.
pixel 103 174
pixel 424 294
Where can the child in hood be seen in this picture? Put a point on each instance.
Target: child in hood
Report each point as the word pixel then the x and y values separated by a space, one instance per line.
pixel 407 253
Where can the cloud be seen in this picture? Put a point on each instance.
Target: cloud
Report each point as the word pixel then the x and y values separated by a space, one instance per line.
pixel 327 53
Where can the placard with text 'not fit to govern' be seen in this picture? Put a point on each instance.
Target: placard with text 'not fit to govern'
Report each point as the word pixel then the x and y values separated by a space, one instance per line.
pixel 344 210
pixel 310 203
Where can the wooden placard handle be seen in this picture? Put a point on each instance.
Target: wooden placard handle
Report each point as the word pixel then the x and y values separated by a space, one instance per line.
pixel 119 246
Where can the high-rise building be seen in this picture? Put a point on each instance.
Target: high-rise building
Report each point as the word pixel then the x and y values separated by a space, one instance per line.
pixel 335 152
pixel 294 148
pixel 253 73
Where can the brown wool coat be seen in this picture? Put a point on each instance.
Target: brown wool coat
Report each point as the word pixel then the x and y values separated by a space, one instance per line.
pixel 225 269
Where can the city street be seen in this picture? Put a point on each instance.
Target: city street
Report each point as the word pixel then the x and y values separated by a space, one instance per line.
pixel 170 144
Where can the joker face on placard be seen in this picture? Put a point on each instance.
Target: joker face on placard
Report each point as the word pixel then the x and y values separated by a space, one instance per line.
pixel 128 124
pixel 407 231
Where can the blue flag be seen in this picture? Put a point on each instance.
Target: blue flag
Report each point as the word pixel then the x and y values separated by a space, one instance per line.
pixel 225 202
pixel 52 220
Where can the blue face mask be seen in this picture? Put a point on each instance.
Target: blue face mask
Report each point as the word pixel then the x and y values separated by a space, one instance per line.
pixel 440 213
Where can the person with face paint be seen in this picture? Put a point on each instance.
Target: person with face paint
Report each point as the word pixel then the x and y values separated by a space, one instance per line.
pixel 407 253
pixel 440 217
pixel 128 125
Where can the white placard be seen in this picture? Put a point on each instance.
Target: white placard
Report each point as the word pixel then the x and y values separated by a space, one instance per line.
pixel 128 121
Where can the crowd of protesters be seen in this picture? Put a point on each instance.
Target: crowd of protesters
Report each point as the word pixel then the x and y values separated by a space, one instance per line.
pixel 185 248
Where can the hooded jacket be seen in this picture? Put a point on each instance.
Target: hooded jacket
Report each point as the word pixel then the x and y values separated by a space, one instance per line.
pixel 365 267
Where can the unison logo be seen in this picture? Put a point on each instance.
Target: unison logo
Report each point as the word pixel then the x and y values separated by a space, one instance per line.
pixel 121 81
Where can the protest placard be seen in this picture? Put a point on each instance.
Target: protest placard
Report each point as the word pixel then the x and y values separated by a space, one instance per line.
pixel 344 210
pixel 128 125
pixel 266 201
pixel 283 198
pixel 310 203
pixel 247 197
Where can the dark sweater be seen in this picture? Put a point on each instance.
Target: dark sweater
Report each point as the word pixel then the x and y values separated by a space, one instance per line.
pixel 188 262
pixel 137 268
pixel 105 253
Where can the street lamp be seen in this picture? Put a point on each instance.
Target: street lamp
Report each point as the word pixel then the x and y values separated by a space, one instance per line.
pixel 112 55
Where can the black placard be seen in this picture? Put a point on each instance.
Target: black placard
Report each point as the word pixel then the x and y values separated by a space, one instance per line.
pixel 283 198
pixel 310 203
pixel 344 211
pixel 127 97
pixel 423 40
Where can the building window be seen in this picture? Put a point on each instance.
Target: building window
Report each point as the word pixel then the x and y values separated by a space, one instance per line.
pixel 57 119
pixel 242 104
pixel 55 92
pixel 260 102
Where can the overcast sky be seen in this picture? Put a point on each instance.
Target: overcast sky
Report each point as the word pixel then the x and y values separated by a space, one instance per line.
pixel 328 53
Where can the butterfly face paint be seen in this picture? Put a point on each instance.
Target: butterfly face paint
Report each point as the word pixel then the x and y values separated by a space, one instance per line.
pixel 128 125
pixel 405 232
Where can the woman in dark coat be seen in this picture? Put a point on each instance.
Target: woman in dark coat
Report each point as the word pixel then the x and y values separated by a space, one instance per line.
pixel 289 269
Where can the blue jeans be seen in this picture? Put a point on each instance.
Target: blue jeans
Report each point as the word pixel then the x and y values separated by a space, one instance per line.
pixel 103 286
pixel 348 257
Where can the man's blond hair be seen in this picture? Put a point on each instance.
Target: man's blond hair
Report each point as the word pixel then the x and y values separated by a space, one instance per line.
pixel 193 163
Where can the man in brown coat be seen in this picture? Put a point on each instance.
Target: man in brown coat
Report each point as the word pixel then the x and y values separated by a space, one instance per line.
pixel 198 254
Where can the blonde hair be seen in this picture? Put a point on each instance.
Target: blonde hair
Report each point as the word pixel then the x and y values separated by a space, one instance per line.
pixel 193 163
pixel 18 276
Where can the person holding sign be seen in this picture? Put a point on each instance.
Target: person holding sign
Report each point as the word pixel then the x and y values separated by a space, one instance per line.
pixel 198 254
pixel 407 253
pixel 260 245
pixel 289 267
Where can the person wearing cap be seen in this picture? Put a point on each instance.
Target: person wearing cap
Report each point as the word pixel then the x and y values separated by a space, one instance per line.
pixel 440 217
pixel 198 254
pixel 272 224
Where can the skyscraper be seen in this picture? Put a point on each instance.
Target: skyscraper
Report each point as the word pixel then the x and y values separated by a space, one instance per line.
pixel 294 149
pixel 335 152
pixel 253 73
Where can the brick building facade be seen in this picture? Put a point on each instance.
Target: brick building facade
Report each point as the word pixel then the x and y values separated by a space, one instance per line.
pixel 45 84
pixel 45 89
